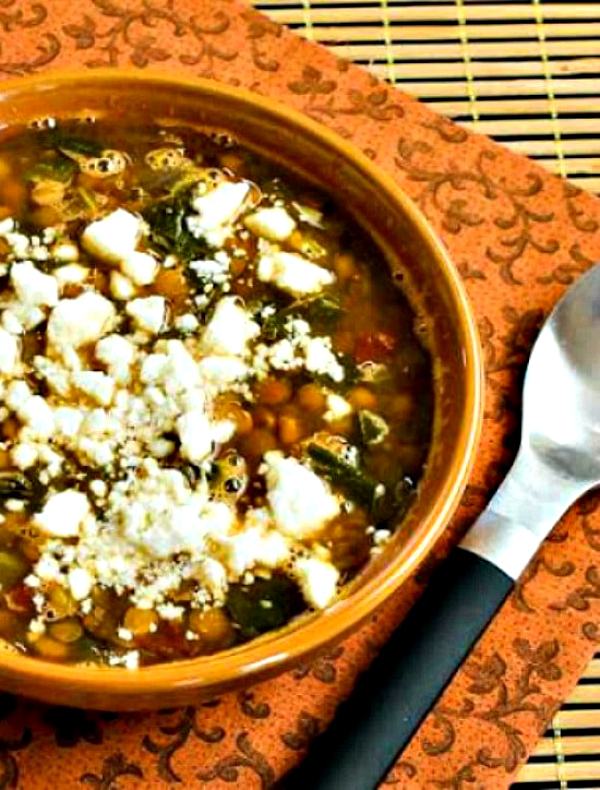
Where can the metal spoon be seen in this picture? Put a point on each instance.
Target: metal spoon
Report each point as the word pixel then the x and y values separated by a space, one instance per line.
pixel 558 461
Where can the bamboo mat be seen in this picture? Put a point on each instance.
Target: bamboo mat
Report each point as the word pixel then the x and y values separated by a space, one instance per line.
pixel 526 72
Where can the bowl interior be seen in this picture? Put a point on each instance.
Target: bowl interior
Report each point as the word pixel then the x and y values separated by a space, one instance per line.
pixel 418 264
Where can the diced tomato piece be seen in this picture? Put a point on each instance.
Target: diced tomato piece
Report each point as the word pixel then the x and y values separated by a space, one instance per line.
pixel 375 347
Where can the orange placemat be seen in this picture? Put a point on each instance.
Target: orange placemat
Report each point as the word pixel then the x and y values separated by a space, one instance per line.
pixel 519 237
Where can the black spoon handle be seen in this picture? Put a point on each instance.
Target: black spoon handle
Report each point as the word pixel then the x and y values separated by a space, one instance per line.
pixel 392 697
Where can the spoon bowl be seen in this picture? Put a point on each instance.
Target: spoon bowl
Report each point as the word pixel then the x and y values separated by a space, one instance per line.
pixel 561 400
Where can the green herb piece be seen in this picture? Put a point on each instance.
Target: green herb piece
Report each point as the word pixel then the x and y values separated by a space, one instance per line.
pixel 320 311
pixel 60 168
pixel 14 485
pixel 324 311
pixel 354 483
pixel 264 605
pixel 73 144
pixel 88 198
pixel 168 228
pixel 372 428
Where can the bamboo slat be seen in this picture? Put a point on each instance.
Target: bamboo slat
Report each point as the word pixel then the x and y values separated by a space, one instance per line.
pixel 572 745
pixel 567 772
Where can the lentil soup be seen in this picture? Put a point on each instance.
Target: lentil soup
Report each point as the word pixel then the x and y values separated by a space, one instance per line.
pixel 214 404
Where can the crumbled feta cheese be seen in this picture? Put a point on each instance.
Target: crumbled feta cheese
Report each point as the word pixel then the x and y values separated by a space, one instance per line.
pixel 63 514
pixel 211 271
pixel 140 267
pixel 96 385
pixel 16 394
pixel 37 626
pixel 76 322
pixel 98 488
pixel 310 215
pixel 169 611
pixel 65 252
pixel 161 448
pixel 32 286
pixel 118 354
pixel 253 546
pixel 11 323
pixel 302 503
pixel 318 581
pixel 337 408
pixel 29 316
pixel 113 237
pixel 381 536
pixel 80 583
pixel 217 208
pixel 187 323
pixel 293 273
pixel 47 569
pixel 321 359
pixel 67 421
pixel 121 287
pixel 24 455
pixel 194 431
pixel 9 353
pixel 148 313
pixel 223 371
pixel 37 415
pixel 71 274
pixel 274 224
pixel 298 350
pixel 131 660
pixel 229 330
pixel 57 377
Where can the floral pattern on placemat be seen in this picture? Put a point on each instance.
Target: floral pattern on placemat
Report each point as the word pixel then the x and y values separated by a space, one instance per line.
pixel 518 236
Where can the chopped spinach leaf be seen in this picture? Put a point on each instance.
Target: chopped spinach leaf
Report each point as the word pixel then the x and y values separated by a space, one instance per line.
pixel 321 312
pixel 168 228
pixel 73 144
pixel 372 429
pixel 59 168
pixel 264 605
pixel 354 483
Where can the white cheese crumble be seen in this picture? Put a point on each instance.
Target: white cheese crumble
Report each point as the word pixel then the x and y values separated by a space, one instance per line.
pixel 194 432
pixel 229 331
pixel 318 581
pixel 302 503
pixel 216 209
pixel 299 349
pixel 32 286
pixel 10 353
pixel 337 407
pixel 118 354
pixel 80 583
pixel 96 385
pixel 293 273
pixel 71 274
pixel 274 224
pixel 148 313
pixel 63 514
pixel 113 237
pixel 121 287
pixel 76 322
pixel 140 267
